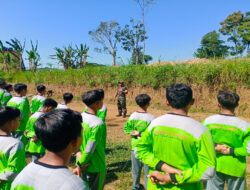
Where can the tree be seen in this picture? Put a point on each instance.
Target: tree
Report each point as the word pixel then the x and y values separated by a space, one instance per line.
pixel 33 57
pixel 131 37
pixel 81 55
pixel 5 57
pixel 17 52
pixel 147 58
pixel 107 34
pixel 231 27
pixel 144 4
pixel 244 31
pixel 212 47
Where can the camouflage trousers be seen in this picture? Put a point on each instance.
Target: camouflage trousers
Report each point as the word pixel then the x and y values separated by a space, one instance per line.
pixel 121 104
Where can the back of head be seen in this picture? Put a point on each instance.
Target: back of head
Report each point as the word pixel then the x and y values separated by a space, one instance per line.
pixel 142 100
pixel 8 114
pixel 101 91
pixel 228 99
pixel 179 95
pixel 19 87
pixel 40 88
pixel 68 97
pixel 7 86
pixel 56 129
pixel 49 103
pixel 91 97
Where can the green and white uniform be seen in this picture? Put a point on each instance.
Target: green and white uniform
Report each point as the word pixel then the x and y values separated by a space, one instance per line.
pixel 34 146
pixel 101 113
pixel 36 103
pixel 183 143
pixel 5 98
pixel 234 133
pixel 62 106
pixel 21 104
pixel 12 160
pixel 2 91
pixel 138 121
pixel 40 176
pixel 93 150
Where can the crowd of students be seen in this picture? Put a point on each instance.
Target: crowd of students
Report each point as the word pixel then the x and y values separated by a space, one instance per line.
pixel 176 151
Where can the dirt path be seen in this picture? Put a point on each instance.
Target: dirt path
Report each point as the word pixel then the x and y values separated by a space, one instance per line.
pixel 115 126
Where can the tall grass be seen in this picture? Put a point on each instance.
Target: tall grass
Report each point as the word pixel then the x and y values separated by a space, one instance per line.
pixel 224 74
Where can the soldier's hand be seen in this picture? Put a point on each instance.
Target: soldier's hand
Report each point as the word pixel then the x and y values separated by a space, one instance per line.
pixel 159 178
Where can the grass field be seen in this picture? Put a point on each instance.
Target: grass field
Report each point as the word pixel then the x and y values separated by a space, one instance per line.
pixel 119 175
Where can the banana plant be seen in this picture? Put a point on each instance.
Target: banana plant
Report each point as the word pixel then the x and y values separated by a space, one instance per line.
pixel 33 56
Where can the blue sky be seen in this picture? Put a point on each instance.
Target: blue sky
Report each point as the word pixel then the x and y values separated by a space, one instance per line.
pixel 175 27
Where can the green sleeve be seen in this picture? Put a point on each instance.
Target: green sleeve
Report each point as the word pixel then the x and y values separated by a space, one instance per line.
pixel 85 110
pixel 245 149
pixel 144 150
pixel 128 127
pixel 102 115
pixel 30 129
pixel 204 169
pixel 94 139
pixel 16 163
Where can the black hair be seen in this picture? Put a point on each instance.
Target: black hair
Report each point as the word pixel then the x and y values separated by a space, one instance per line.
pixel 7 86
pixel 68 97
pixel 8 114
pixel 228 99
pixel 40 88
pixel 49 103
pixel 19 87
pixel 142 100
pixel 101 91
pixel 179 95
pixel 91 97
pixel 56 129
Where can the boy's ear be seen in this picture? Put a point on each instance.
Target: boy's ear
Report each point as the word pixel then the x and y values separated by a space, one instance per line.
pixel 219 105
pixel 192 102
pixel 167 102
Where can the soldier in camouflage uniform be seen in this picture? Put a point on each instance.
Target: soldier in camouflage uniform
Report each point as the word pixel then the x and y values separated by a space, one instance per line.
pixel 121 97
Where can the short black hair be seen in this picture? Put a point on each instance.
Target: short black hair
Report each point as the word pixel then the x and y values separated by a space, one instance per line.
pixel 8 114
pixel 49 103
pixel 142 100
pixel 57 128
pixel 19 87
pixel 68 97
pixel 40 88
pixel 7 86
pixel 179 95
pixel 228 99
pixel 101 91
pixel 91 97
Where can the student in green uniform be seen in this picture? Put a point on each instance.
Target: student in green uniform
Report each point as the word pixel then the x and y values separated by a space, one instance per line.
pixel 12 154
pixel 179 141
pixel 67 99
pixel 137 123
pixel 34 145
pixel 60 132
pixel 7 95
pixel 101 113
pixel 19 102
pixel 2 91
pixel 37 101
pixel 231 136
pixel 92 151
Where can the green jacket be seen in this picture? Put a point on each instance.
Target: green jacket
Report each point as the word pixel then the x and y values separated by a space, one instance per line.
pixel 94 143
pixel 5 98
pixel 138 121
pixel 23 106
pixel 2 91
pixel 181 142
pixel 102 113
pixel 12 160
pixel 235 133
pixel 36 103
pixel 33 146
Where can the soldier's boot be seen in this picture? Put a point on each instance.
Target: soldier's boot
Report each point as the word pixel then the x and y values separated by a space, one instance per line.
pixel 119 114
pixel 124 114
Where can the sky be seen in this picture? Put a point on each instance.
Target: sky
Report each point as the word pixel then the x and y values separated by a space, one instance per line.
pixel 174 27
